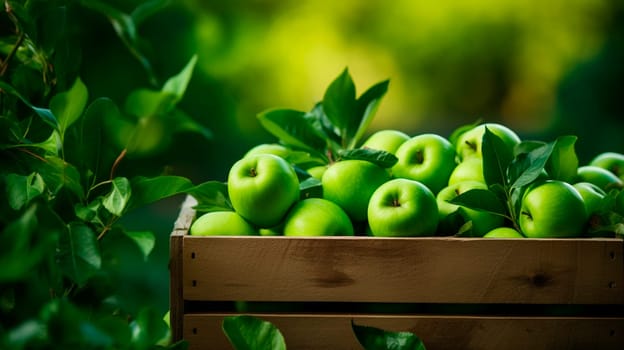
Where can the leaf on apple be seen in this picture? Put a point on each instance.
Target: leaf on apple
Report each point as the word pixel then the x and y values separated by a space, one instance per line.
pixel 481 199
pixel 381 158
pixel 496 158
pixel 563 162
pixel 311 188
pixel 293 129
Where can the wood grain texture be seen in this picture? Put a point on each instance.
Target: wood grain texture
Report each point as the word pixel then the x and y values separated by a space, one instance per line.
pixel 176 302
pixel 319 332
pixel 420 270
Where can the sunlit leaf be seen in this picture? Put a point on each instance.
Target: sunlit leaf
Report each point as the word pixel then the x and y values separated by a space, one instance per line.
pixel 340 105
pixel 372 338
pixel 531 166
pixel 23 189
pixel 291 128
pixel 119 196
pixel 496 158
pixel 149 103
pixel 563 162
pixel 366 108
pixel 145 240
pixel 177 84
pixel 211 196
pixel 68 106
pixel 146 190
pixel 381 158
pixel 251 333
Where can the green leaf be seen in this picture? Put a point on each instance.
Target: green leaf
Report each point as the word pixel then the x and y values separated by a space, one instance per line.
pixel 69 105
pixel 251 333
pixel 57 173
pixel 146 103
pixel 117 200
pixel 311 188
pixel 531 166
pixel 340 105
pixel 182 122
pixel 563 162
pixel 147 9
pixel 481 199
pixel 23 189
pixel 79 254
pixel 148 328
pixel 381 158
pixel 93 151
pixel 496 159
pixel 45 114
pixel 146 190
pixel 211 196
pixel 19 248
pixel 366 108
pixel 145 240
pixel 292 129
pixel 372 338
pixel 51 146
pixel 177 84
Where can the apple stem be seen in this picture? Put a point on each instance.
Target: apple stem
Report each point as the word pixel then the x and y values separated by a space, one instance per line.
pixel 472 145
pixel 253 172
pixel 396 203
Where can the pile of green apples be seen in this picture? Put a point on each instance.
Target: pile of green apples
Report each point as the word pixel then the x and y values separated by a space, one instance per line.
pixel 321 178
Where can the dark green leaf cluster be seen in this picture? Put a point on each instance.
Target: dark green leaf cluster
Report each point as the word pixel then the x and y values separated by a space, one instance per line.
pixel 332 129
pixel 62 193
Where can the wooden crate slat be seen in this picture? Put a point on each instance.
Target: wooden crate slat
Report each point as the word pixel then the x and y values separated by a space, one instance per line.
pixel 423 270
pixel 319 332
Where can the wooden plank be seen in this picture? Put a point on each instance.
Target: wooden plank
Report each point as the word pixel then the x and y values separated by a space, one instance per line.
pixel 421 270
pixel 176 302
pixel 319 332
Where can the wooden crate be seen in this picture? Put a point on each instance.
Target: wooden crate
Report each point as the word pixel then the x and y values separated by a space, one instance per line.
pixel 455 293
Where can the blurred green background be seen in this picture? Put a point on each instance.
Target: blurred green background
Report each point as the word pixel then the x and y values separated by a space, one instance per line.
pixel 543 68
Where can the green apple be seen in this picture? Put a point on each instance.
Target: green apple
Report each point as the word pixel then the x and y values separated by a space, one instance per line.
pixel 503 232
pixel 269 148
pixel 482 221
pixel 351 183
pixel 553 209
pixel 469 143
pixel 387 140
pixel 317 217
pixel 402 208
pixel 221 223
pixel 593 196
pixel 317 171
pixel 612 161
pixel 427 158
pixel 262 188
pixel 470 169
pixel 600 177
